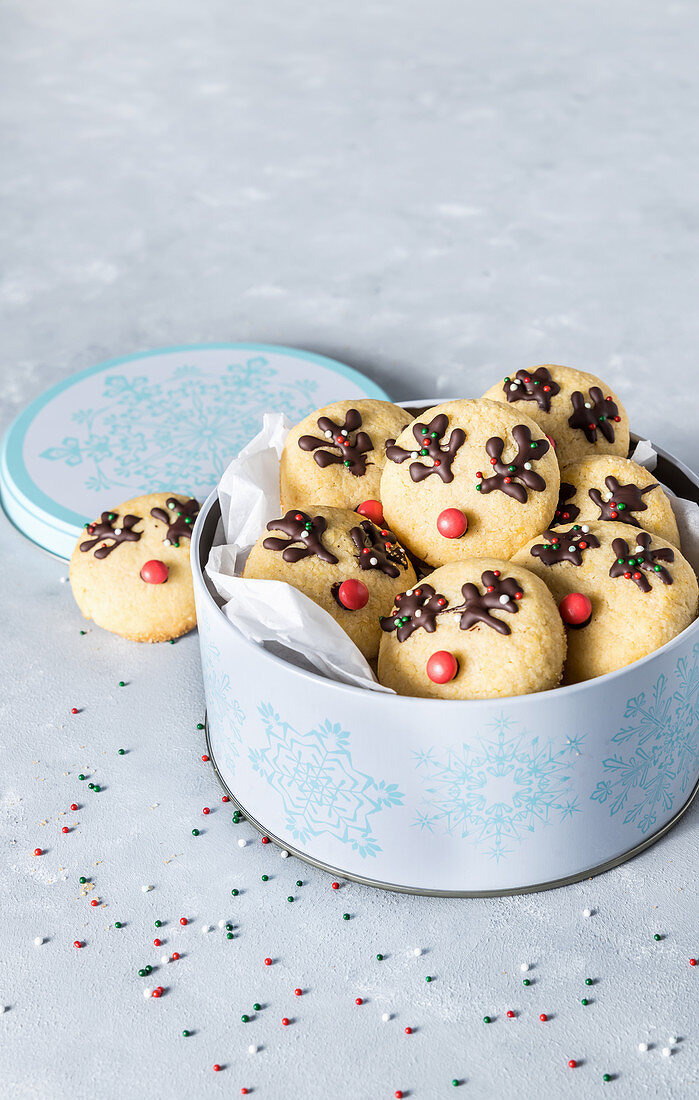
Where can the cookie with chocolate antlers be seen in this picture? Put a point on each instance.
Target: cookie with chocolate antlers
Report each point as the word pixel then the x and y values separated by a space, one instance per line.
pixel 469 478
pixel 476 629
pixel 335 456
pixel 608 487
pixel 622 591
pixel 130 569
pixel 576 410
pixel 350 566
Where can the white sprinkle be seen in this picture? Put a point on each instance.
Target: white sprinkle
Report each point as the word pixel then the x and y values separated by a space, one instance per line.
pixel 417 951
pixel 166 542
pixel 252 1049
pixel 284 854
pixel 386 1017
pixel 145 889
pixel 222 924
pixel 206 928
pixel 343 432
pixel 587 912
pixel 3 1008
pixel 513 387
pixel 666 1052
pixel 409 592
pixel 38 941
pixel 585 528
pixel 524 966
pixel 373 561
pixel 64 580
pixel 413 454
pixel 638 550
pixel 328 435
pixel 164 960
pixel 242 842
pixel 117 530
pixel 571 549
pixel 147 992
pixel 504 599
pixel 643 1047
pixel 418 613
pixel 588 405
pixel 305 534
pixel 672 1040
pixel 527 465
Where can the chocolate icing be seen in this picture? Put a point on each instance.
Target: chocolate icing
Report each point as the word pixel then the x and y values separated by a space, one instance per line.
pixel 508 474
pixel 629 563
pixel 428 437
pixel 532 385
pixel 414 609
pixel 105 530
pixel 598 417
pixel 378 549
pixel 565 512
pixel 179 519
pixel 624 500
pixel 299 528
pixel 342 450
pixel 499 595
pixel 421 605
pixel 564 545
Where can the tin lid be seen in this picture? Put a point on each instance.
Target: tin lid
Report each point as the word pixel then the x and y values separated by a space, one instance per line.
pixel 165 419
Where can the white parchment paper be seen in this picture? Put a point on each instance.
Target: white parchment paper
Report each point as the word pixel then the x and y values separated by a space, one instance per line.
pixel 287 622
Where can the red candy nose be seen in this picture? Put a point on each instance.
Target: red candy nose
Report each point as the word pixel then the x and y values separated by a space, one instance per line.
pixel 353 595
pixel 372 509
pixel 155 572
pixel 442 667
pixel 451 523
pixel 575 609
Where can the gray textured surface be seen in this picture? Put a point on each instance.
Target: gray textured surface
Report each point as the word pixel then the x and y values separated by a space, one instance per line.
pixel 426 191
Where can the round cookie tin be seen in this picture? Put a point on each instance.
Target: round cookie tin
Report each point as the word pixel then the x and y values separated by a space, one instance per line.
pixel 457 798
pixel 169 419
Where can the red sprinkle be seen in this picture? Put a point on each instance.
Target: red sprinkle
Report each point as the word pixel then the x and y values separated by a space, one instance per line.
pixel 358 1001
pixel 510 1015
pixel 157 943
pixel 573 1064
pixel 94 902
pixel 38 852
pixel 298 992
pixel 268 962
pixel 398 1094
pixel 265 840
pixel 65 829
pixel 216 1067
pixel 175 955
pixel 285 1021
pixel 224 797
pixel 183 921
pixel 205 758
pixel 77 943
pixel 543 1017
pixel 408 1031
pixel 73 710
pixel 206 810
pixel 692 962
pixel 156 993
pixel 336 885
pixel 73 806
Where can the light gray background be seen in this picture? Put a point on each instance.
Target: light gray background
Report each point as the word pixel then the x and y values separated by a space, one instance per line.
pixel 433 193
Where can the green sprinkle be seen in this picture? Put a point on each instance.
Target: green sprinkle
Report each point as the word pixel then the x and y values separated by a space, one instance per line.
pixel 424 451
pixel 606 1077
pixel 512 469
pixel 158 924
pixel 526 981
pixel 346 462
pixel 621 507
pixel 265 878
pixel 148 969
pixel 245 1018
pixel 657 568
pixel 83 632
pixel 234 892
pixel 186 1034
pixel 345 916
pixel 584 1001
pixel 298 882
pixel 289 898
pixel 508 379
pixel 478 488
pixel 81 776
pixel 96 787
pixel 657 936
pixel 229 935
pixel 200 725
pixel 141 973
pixel 120 752
pixel 486 1020
pixel 82 880
pixel 91 786
pixel 620 561
pixel 195 832
pixel 532 446
pixel 588 981
pixel 455 1082
pixel 122 683
pixel 379 958
pixel 257 1007
pixel 428 978
pixel 112 515
pixel 118 924
pixel 229 928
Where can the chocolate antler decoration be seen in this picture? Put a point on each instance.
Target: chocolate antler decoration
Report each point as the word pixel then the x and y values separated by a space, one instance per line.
pixel 499 595
pixel 629 564
pixel 518 469
pixel 343 451
pixel 105 529
pixel 299 528
pixel 624 500
pixel 527 385
pixel 179 519
pixel 594 415
pixel 428 437
pixel 565 512
pixel 564 545
pixel 414 609
pixel 378 549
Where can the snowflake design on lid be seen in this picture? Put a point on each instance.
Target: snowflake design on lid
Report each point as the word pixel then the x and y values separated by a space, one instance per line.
pixel 149 436
pixel 321 790
pixel 659 750
pixel 504 784
pixel 224 713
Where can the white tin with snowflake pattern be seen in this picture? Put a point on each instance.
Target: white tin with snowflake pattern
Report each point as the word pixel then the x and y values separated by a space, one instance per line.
pixel 455 797
pixel 170 419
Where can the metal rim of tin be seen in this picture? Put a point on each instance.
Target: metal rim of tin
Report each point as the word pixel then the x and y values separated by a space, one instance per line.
pixel 395 888
pixel 686 483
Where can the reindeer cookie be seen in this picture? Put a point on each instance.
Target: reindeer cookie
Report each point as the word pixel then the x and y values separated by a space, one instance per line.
pixel 335 456
pixel 348 565
pixel 476 629
pixel 469 478
pixel 638 590
pixel 607 487
pixel 130 569
pixel 576 410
